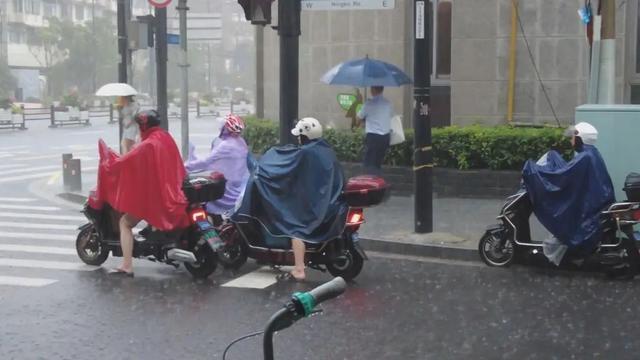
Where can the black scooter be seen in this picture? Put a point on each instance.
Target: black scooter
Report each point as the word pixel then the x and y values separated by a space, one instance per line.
pixel 194 246
pixel 616 252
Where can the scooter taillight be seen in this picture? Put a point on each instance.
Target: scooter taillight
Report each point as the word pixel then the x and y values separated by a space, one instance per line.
pixel 355 217
pixel 198 215
pixel 636 215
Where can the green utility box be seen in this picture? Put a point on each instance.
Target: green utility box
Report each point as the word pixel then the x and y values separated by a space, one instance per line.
pixel 618 138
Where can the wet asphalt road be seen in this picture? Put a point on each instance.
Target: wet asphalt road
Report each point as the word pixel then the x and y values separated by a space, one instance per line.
pixel 398 309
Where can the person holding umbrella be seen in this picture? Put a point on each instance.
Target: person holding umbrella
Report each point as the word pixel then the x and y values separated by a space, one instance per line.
pixel 376 114
pixel 128 108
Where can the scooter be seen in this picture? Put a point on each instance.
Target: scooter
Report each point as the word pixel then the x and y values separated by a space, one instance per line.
pixel 342 256
pixel 616 251
pixel 195 246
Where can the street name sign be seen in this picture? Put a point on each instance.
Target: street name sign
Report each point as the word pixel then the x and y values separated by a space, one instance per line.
pixel 348 4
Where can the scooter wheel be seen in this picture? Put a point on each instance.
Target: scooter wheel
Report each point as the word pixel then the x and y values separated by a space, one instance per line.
pixel 89 247
pixel 495 254
pixel 206 265
pixel 348 266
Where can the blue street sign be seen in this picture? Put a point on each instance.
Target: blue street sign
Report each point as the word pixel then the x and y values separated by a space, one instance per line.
pixel 173 39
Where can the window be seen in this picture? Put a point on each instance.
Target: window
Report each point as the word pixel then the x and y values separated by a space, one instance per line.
pixel 79 12
pixel 638 41
pixel 32 7
pixel 442 46
pixel 635 94
pixel 15 36
pixel 18 6
pixel 50 9
pixel 64 11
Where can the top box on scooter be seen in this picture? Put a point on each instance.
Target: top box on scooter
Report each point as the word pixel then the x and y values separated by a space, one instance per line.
pixel 632 187
pixel 366 190
pixel 199 189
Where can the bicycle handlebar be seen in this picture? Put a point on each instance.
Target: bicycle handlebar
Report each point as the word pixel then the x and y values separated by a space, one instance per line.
pixel 329 290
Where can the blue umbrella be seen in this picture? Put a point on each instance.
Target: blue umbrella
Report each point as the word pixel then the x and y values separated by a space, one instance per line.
pixel 366 72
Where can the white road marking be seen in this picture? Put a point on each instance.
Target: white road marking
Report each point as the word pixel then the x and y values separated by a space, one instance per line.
pixel 12 199
pixel 11 166
pixel 258 279
pixel 22 225
pixel 26 177
pixel 15 215
pixel 9 148
pixel 88 132
pixel 24 281
pixel 41 264
pixel 37 249
pixel 26 207
pixel 36 236
pixel 31 169
pixel 54 178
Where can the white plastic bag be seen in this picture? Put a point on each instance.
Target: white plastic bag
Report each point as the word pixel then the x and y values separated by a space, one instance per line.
pixel 397 133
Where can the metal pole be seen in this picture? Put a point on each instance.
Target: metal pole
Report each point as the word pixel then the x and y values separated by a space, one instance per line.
pixel 289 31
pixel 93 56
pixel 259 71
pixel 122 49
pixel 184 65
pixel 607 78
pixel 423 155
pixel 161 65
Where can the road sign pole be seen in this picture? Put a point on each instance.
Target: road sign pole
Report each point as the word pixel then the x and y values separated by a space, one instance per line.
pixel 289 32
pixel 161 64
pixel 184 65
pixel 423 155
pixel 123 50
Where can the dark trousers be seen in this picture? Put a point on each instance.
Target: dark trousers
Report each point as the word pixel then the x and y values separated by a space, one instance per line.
pixel 375 148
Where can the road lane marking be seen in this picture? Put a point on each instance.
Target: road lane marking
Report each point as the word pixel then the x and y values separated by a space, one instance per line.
pixel 40 175
pixel 31 169
pixel 37 249
pixel 11 166
pixel 54 178
pixel 41 264
pixel 12 199
pixel 14 215
pixel 36 236
pixel 24 281
pixel 22 225
pixel 425 259
pixel 26 207
pixel 258 279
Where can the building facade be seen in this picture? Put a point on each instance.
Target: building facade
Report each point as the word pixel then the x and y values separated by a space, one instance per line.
pixel 471 55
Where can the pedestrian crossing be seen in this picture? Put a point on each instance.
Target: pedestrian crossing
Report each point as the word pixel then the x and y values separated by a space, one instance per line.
pixel 37 243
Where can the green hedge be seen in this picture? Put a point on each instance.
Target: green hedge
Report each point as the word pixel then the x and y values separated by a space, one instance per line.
pixel 469 147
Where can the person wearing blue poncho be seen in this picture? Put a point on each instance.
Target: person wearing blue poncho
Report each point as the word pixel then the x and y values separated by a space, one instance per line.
pixel 294 191
pixel 567 197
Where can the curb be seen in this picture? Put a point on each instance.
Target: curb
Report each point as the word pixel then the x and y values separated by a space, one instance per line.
pixel 424 250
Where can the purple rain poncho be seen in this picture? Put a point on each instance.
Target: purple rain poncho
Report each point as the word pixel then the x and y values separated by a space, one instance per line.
pixel 229 157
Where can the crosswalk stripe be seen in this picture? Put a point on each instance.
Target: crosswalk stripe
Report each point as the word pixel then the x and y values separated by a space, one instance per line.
pixel 11 166
pixel 14 215
pixel 24 281
pixel 258 279
pixel 31 169
pixel 26 207
pixel 12 199
pixel 58 156
pixel 26 177
pixel 9 148
pixel 36 236
pixel 3 156
pixel 37 226
pixel 37 249
pixel 41 264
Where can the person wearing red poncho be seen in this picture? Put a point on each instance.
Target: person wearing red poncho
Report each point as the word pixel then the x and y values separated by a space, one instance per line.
pixel 144 184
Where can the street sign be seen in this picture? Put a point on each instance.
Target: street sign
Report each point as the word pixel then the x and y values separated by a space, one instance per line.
pixel 173 39
pixel 348 4
pixel 160 3
pixel 346 101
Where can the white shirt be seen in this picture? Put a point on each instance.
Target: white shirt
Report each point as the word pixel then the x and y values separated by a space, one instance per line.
pixel 377 113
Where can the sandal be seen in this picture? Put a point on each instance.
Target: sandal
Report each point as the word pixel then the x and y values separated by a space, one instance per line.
pixel 285 276
pixel 120 272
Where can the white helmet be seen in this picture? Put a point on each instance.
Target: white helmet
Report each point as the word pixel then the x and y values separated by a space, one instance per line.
pixel 309 127
pixel 587 132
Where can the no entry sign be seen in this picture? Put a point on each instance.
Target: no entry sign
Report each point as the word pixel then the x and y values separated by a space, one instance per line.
pixel 160 3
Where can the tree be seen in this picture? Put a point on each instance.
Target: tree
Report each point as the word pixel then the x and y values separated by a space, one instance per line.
pixel 45 45
pixel 7 81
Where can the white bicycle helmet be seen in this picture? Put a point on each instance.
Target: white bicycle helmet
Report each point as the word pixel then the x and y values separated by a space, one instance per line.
pixel 587 132
pixel 309 127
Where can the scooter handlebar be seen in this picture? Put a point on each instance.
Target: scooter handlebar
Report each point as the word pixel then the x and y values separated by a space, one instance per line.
pixel 329 290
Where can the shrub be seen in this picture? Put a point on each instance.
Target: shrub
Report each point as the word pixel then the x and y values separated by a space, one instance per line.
pixel 470 147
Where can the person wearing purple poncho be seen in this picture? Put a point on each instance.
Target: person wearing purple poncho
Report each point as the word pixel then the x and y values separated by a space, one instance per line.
pixel 228 156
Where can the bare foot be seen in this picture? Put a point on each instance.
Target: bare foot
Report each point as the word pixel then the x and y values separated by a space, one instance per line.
pixel 298 274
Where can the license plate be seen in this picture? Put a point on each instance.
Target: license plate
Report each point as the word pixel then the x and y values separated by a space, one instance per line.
pixel 204 226
pixel 213 239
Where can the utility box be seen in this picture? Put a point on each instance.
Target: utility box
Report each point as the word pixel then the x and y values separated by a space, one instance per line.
pixel 618 139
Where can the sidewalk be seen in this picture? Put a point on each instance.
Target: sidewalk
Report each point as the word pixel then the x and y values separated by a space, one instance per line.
pixel 458 223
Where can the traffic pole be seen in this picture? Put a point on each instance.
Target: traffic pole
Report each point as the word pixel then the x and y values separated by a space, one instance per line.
pixel 289 12
pixel 123 50
pixel 161 64
pixel 184 65
pixel 423 154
